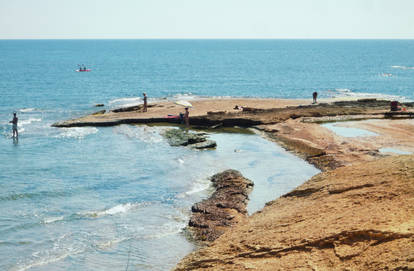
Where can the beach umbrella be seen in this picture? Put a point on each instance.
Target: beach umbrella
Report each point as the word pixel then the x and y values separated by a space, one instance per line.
pixel 184 103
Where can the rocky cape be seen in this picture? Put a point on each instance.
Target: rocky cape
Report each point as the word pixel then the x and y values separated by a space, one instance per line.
pixel 356 217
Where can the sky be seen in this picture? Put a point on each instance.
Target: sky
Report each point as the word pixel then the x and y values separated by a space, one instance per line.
pixel 205 19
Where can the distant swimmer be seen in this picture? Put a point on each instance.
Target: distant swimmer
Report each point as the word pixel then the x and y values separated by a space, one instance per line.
pixel 14 121
pixel 145 102
pixel 315 96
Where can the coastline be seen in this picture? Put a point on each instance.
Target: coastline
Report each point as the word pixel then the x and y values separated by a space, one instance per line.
pixel 294 125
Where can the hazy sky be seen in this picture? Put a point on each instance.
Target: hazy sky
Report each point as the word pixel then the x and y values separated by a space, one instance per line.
pixel 206 19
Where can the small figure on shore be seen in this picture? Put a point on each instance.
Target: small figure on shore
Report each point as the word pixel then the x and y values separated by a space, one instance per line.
pixel 394 106
pixel 315 96
pixel 145 102
pixel 14 121
pixel 187 117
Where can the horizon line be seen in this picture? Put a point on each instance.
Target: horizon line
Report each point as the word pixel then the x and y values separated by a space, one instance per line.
pixel 178 38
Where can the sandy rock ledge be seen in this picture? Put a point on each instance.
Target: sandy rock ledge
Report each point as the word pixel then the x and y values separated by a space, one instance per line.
pixel 356 217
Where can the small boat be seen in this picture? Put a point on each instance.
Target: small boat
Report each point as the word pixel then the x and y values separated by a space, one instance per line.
pixel 79 70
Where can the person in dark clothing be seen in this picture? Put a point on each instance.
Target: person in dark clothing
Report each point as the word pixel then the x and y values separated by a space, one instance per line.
pixel 315 96
pixel 14 121
pixel 145 102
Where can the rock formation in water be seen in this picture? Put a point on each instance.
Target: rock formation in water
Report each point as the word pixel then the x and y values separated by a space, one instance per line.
pixel 180 137
pixel 358 217
pixel 224 208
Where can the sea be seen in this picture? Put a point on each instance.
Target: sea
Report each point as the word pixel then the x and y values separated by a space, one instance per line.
pixel 119 198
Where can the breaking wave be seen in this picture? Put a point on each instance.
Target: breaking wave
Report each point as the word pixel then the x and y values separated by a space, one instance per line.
pixel 348 93
pixel 403 67
pixel 118 209
pixel 77 132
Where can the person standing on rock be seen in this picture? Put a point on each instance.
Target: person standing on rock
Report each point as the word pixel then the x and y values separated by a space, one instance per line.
pixel 14 121
pixel 315 96
pixel 187 117
pixel 145 102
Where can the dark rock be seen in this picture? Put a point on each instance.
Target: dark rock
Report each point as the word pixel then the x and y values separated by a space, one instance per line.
pixel 226 206
pixel 99 112
pixel 99 105
pixel 208 144
pixel 133 108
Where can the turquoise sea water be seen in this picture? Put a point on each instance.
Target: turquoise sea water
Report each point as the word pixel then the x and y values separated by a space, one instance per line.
pixel 117 198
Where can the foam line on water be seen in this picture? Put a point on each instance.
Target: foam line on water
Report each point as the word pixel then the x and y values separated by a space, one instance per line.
pixel 76 132
pixel 115 210
pixel 403 67
pixel 27 110
pixel 345 92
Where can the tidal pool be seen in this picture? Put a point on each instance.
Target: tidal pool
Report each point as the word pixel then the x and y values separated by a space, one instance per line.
pixel 347 131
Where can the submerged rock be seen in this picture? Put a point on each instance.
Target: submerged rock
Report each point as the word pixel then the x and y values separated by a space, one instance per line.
pixel 179 137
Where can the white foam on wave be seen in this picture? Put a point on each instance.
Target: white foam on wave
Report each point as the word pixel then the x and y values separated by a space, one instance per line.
pixel 118 209
pixel 125 101
pixel 146 134
pixel 29 121
pixel 26 110
pixel 52 219
pixel 344 92
pixel 176 225
pixel 76 132
pixel 403 67
pixel 196 187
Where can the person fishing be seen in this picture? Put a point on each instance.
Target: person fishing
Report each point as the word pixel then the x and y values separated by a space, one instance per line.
pixel 14 122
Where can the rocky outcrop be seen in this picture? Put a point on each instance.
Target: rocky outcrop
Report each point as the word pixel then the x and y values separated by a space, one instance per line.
pixel 224 208
pixel 180 137
pixel 248 117
pixel 357 217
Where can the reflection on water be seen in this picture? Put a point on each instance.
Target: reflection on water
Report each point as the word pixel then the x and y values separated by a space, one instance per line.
pixel 347 131
pixel 393 150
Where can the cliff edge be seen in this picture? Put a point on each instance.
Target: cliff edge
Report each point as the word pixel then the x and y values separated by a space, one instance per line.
pixel 357 217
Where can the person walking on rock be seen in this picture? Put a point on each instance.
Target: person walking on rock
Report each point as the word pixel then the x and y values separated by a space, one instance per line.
pixel 145 102
pixel 14 121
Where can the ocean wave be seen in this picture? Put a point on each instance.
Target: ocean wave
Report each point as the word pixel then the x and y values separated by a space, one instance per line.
pixel 344 92
pixel 118 209
pixel 403 67
pixel 167 229
pixel 26 110
pixel 76 132
pixel 28 121
pixel 196 187
pixel 43 261
pixel 124 101
pixel 52 219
